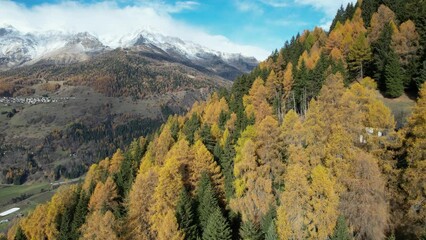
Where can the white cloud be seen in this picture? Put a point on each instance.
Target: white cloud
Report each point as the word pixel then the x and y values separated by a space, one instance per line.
pixel 275 3
pixel 248 6
pixel 285 22
pixel 109 21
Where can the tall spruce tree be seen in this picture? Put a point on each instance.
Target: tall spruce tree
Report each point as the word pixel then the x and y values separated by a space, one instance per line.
pixel 249 231
pixel 381 49
pixel 226 162
pixel 79 215
pixel 393 76
pixel 185 216
pixel 421 78
pixel 271 234
pixel 217 227
pixel 341 231
pixel 268 219
pixel 207 200
pixel 65 225
pixel 20 235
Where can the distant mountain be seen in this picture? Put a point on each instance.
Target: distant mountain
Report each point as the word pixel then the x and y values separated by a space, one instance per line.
pixel 101 95
pixel 22 49
pixel 18 49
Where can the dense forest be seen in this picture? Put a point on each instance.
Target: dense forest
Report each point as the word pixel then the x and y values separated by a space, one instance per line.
pixel 301 148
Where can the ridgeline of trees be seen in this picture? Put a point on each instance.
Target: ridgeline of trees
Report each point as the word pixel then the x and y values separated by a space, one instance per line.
pixel 301 148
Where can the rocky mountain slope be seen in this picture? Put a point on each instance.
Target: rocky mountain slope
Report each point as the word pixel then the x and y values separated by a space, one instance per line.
pixel 67 100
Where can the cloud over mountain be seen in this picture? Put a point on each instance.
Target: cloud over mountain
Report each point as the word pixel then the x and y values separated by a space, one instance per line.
pixel 109 20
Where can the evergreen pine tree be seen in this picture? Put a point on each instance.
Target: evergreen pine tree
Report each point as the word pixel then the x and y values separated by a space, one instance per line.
pixel 207 138
pixel 223 117
pixel 268 219
pixel 207 200
pixel 341 231
pixel 125 176
pixel 226 162
pixel 190 127
pixel 174 129
pixel 393 75
pixel 368 8
pixel 338 18
pixel 249 231
pixel 79 215
pixel 65 219
pixel 381 49
pixel 301 82
pixel 185 216
pixel 217 227
pixel 421 76
pixel 20 235
pixel 65 226
pixel 271 234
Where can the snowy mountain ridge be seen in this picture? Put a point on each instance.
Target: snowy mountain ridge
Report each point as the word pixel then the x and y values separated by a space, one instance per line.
pixel 18 48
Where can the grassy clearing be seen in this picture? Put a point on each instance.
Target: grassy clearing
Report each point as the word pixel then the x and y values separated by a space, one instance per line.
pixel 401 108
pixel 10 192
pixel 31 195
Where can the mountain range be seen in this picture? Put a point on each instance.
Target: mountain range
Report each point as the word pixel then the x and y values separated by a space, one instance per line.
pixel 22 49
pixel 92 97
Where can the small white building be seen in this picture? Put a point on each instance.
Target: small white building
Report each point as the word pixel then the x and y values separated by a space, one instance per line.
pixel 10 211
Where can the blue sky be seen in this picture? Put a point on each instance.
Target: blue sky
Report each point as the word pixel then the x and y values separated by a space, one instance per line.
pixel 254 27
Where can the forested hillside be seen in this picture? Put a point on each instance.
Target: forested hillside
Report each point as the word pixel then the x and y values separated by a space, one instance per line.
pixel 300 148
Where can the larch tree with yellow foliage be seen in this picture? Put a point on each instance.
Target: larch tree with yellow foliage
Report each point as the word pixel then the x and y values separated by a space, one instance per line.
pixel 139 203
pixel 292 214
pixel 100 226
pixel 116 162
pixel 42 222
pixel 256 103
pixel 383 16
pixel 322 214
pixel 104 197
pixel 414 177
pixel 203 162
pixel 166 194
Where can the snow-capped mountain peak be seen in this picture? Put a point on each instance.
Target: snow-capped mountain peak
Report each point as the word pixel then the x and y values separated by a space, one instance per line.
pixel 18 48
pixel 188 49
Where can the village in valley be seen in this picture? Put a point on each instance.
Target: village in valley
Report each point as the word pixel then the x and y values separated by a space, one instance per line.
pixel 32 100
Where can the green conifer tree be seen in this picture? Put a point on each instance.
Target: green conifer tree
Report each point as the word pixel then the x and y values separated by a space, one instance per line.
pixel 190 127
pixel 79 215
pixel 393 75
pixel 226 162
pixel 421 78
pixel 271 234
pixel 174 129
pixel 341 231
pixel 65 226
pixel 249 231
pixel 268 219
pixel 207 200
pixel 207 138
pixel 381 49
pixel 217 227
pixel 185 216
pixel 20 235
